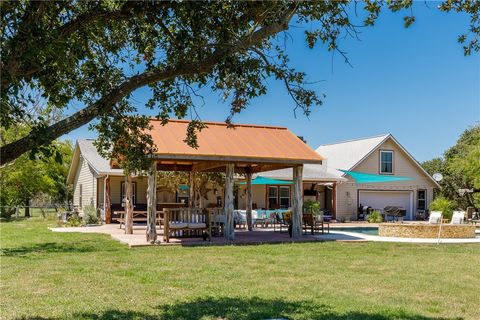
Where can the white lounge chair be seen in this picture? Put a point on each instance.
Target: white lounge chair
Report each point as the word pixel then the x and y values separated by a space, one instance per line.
pixel 458 217
pixel 435 217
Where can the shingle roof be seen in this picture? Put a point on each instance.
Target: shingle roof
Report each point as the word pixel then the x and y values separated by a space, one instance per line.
pixel 240 143
pixel 98 163
pixel 345 155
pixel 310 172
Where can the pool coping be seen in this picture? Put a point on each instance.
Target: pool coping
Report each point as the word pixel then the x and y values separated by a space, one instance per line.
pixel 355 236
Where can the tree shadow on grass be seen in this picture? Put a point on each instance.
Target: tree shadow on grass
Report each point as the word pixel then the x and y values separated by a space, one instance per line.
pixel 48 247
pixel 247 308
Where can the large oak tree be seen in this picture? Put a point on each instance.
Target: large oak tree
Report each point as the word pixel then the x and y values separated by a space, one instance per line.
pixel 95 54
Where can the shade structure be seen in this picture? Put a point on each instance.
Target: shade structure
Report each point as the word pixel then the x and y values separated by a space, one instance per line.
pixel 263 180
pixel 361 177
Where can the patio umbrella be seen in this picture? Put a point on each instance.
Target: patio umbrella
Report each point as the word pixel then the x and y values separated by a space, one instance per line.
pixel 264 180
pixel 361 177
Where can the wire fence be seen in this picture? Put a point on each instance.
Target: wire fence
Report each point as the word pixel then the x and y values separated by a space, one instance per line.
pixel 48 211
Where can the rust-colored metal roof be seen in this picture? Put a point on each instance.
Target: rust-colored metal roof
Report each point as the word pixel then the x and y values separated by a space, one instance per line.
pixel 243 142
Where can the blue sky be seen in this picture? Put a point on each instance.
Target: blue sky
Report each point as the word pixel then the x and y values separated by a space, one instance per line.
pixel 414 83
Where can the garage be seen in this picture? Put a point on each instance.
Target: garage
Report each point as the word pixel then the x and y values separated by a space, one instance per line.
pixel 381 199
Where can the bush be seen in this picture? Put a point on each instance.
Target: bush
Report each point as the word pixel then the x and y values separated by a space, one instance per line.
pixel 375 217
pixel 444 205
pixel 90 215
pixel 74 221
pixel 312 207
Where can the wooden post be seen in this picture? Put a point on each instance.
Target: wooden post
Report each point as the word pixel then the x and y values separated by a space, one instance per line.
pixel 128 204
pixel 249 202
pixel 152 204
pixel 191 190
pixel 334 201
pixel 297 202
pixel 107 203
pixel 229 224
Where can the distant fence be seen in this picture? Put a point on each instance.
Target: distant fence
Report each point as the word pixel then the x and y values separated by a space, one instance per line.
pixel 51 210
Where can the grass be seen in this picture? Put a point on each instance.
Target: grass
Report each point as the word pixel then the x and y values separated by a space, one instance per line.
pixel 46 275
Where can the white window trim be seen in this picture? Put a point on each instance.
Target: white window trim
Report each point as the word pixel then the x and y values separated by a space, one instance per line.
pixel 380 162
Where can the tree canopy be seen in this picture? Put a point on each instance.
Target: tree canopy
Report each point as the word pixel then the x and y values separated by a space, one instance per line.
pixel 460 167
pixel 95 54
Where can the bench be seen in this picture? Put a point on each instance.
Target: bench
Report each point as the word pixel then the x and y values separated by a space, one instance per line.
pixel 138 216
pixel 186 222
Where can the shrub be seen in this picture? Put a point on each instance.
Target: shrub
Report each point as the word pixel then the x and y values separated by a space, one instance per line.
pixel 312 207
pixel 90 215
pixel 375 217
pixel 444 205
pixel 74 221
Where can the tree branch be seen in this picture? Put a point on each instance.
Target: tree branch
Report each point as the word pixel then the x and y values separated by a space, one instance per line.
pixel 33 140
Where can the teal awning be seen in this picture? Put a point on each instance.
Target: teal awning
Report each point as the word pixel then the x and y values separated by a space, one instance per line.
pixel 183 187
pixel 361 177
pixel 263 180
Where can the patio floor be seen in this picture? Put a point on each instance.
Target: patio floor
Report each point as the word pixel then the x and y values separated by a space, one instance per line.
pixel 242 236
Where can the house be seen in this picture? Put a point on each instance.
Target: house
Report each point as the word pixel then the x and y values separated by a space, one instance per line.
pixel 248 149
pixel 336 191
pixel 381 155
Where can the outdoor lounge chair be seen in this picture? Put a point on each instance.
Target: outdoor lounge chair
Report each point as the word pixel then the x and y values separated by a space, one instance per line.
pixel 458 217
pixel 435 217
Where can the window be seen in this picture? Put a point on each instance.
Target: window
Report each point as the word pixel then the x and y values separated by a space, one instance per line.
pixel 386 162
pixel 284 197
pixel 278 197
pixel 422 199
pixel 123 195
pixel 80 198
pixel 272 197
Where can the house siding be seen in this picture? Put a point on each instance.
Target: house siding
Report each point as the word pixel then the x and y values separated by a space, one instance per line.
pixel 86 177
pixel 347 192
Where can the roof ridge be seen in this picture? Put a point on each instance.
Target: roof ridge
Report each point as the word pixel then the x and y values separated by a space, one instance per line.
pixel 218 123
pixel 356 139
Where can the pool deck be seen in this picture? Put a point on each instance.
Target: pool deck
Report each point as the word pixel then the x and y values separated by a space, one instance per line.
pixel 258 236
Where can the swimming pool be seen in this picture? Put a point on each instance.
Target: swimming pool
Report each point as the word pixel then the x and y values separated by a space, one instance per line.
pixel 365 230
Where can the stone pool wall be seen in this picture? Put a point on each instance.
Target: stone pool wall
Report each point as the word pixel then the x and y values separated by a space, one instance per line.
pixel 401 230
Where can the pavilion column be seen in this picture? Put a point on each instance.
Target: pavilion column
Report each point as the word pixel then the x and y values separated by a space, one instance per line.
pixel 128 204
pixel 191 190
pixel 334 201
pixel 297 202
pixel 249 202
pixel 107 202
pixel 152 204
pixel 229 224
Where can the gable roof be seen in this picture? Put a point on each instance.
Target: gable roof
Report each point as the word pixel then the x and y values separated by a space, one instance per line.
pixel 255 143
pixel 86 149
pixel 349 154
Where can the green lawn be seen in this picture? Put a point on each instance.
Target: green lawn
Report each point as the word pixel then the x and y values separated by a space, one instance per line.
pixel 60 275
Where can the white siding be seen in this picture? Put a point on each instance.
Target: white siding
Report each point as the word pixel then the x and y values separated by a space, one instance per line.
pixel 86 177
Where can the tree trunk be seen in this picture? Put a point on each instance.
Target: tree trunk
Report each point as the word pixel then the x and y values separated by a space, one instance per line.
pixel 128 204
pixel 27 207
pixel 297 202
pixel 152 204
pixel 108 201
pixel 249 202
pixel 229 224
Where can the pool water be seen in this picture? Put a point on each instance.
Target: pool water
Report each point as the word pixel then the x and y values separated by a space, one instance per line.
pixel 365 230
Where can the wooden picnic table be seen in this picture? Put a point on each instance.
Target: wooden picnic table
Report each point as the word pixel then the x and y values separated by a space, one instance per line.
pixel 138 216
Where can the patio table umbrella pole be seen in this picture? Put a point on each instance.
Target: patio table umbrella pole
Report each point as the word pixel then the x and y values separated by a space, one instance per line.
pixel 297 202
pixel 152 204
pixel 229 226
pixel 249 201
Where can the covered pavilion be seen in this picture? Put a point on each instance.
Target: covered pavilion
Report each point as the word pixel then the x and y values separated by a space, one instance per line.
pixel 242 149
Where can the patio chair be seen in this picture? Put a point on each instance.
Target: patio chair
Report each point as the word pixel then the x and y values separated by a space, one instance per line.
pixel 281 222
pixel 314 223
pixel 458 217
pixel 218 222
pixel 435 217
